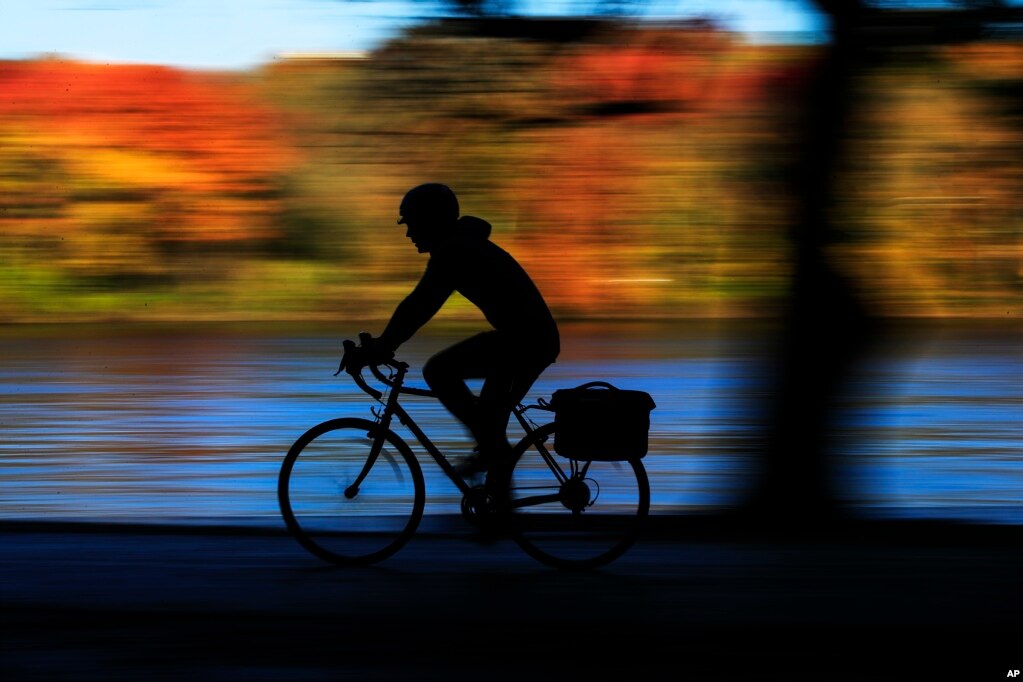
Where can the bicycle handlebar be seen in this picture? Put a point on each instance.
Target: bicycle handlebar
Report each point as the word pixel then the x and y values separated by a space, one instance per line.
pixel 350 347
pixel 412 390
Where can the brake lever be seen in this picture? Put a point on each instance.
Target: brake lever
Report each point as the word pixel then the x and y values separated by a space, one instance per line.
pixel 347 346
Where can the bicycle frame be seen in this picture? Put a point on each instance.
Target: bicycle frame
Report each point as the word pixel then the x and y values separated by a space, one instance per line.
pixel 392 408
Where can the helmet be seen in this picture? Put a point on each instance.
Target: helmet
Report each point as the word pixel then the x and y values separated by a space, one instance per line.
pixel 433 201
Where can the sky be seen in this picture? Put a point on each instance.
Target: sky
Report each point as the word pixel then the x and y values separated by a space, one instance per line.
pixel 239 34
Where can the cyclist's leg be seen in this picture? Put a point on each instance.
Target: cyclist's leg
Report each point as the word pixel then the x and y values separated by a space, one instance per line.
pixel 502 390
pixel 508 369
pixel 445 373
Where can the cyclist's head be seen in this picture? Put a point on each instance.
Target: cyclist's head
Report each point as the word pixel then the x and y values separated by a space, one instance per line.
pixel 428 211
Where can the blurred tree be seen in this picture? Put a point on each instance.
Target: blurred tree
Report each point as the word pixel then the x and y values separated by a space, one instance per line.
pixel 828 327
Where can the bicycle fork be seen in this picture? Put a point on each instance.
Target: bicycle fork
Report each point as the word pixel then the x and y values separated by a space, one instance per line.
pixel 383 425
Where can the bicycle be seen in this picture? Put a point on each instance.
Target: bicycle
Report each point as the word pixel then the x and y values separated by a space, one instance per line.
pixel 352 491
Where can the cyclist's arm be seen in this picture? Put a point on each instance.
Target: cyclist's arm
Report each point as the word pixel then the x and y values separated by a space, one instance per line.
pixel 417 309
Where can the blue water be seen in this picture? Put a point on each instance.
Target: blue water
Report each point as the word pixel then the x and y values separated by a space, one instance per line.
pixel 190 425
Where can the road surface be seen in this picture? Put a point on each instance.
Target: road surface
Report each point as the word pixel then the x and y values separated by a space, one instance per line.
pixel 152 603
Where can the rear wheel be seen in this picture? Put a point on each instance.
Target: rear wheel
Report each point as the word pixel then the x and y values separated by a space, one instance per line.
pixel 328 515
pixel 572 514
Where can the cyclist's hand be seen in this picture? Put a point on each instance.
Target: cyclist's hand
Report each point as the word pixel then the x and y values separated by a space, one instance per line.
pixel 371 352
pixel 374 352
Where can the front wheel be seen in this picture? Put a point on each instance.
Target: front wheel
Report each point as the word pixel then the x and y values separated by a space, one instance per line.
pixel 571 514
pixel 328 514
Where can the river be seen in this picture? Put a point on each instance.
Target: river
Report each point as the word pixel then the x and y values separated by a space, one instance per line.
pixel 188 424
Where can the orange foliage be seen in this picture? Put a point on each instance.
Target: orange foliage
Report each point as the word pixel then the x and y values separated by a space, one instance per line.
pixel 579 197
pixel 172 137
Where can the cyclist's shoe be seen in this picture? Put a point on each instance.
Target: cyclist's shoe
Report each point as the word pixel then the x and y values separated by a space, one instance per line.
pixel 473 465
pixel 483 460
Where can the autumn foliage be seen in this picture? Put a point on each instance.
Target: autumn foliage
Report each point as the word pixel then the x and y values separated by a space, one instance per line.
pixel 636 173
pixel 184 152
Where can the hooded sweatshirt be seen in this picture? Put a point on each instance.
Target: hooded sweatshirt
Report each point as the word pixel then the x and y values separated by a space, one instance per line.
pixel 489 277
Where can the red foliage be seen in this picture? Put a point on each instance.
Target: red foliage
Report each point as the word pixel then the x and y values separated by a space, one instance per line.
pixel 206 122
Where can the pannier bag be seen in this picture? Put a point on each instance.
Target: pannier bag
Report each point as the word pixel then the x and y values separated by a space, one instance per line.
pixel 598 421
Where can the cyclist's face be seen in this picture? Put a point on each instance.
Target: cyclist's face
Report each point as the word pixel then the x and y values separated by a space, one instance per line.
pixel 421 233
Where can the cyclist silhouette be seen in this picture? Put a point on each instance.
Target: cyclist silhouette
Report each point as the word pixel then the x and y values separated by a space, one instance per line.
pixel 524 340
